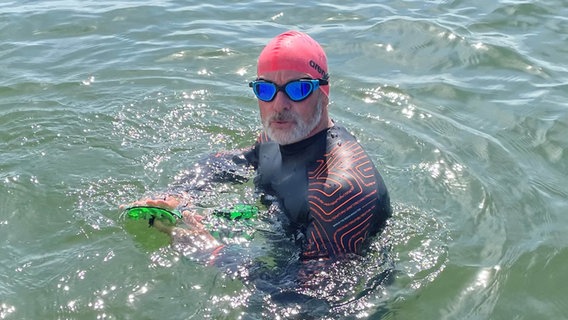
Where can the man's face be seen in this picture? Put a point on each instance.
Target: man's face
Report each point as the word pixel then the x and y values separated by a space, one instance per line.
pixel 286 121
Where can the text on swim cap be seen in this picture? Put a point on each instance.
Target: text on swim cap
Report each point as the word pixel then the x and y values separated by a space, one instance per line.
pixel 319 69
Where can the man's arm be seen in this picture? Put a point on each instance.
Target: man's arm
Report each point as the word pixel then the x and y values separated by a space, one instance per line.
pixel 348 204
pixel 231 167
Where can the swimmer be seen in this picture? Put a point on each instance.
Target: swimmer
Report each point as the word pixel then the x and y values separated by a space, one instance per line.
pixel 326 185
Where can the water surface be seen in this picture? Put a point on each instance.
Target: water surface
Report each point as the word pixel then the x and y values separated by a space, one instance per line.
pixel 462 106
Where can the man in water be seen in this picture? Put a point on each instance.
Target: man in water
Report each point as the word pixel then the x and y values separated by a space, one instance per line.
pixel 326 185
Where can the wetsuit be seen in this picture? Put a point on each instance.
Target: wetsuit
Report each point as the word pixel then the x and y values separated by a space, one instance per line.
pixel 329 188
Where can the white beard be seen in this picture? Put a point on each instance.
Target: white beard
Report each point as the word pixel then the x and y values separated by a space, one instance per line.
pixel 298 133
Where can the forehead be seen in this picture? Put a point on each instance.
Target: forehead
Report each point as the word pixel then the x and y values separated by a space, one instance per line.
pixel 283 76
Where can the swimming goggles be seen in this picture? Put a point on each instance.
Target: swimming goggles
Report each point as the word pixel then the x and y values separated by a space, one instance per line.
pixel 296 90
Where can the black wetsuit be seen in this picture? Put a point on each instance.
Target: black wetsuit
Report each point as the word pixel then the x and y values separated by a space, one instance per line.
pixel 328 187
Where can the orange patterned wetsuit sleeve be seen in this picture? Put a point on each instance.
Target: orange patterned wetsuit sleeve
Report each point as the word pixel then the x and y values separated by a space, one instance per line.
pixel 342 199
pixel 328 187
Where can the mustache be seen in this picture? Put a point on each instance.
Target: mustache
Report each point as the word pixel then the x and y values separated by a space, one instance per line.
pixel 283 116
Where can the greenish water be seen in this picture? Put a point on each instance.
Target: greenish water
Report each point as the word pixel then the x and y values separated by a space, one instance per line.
pixel 462 105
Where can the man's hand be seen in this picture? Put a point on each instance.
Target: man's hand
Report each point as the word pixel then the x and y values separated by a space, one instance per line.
pixel 194 231
pixel 167 202
pixel 194 236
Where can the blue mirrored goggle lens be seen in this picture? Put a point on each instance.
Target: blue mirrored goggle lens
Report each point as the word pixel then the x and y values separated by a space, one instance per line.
pixel 299 90
pixel 264 91
pixel 296 90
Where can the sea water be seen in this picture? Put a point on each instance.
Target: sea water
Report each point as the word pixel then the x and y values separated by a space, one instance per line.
pixel 462 106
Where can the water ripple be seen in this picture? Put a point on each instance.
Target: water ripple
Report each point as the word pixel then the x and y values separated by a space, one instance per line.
pixel 461 105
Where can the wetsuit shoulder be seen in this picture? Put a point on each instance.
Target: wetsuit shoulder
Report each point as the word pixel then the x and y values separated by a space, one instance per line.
pixel 348 201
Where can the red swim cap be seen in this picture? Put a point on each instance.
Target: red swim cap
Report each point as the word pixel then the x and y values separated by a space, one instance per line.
pixel 294 50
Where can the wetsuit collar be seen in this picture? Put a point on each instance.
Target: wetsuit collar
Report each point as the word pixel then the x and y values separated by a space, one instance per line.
pixel 303 144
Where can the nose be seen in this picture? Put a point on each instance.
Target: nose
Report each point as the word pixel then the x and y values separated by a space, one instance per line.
pixel 281 102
